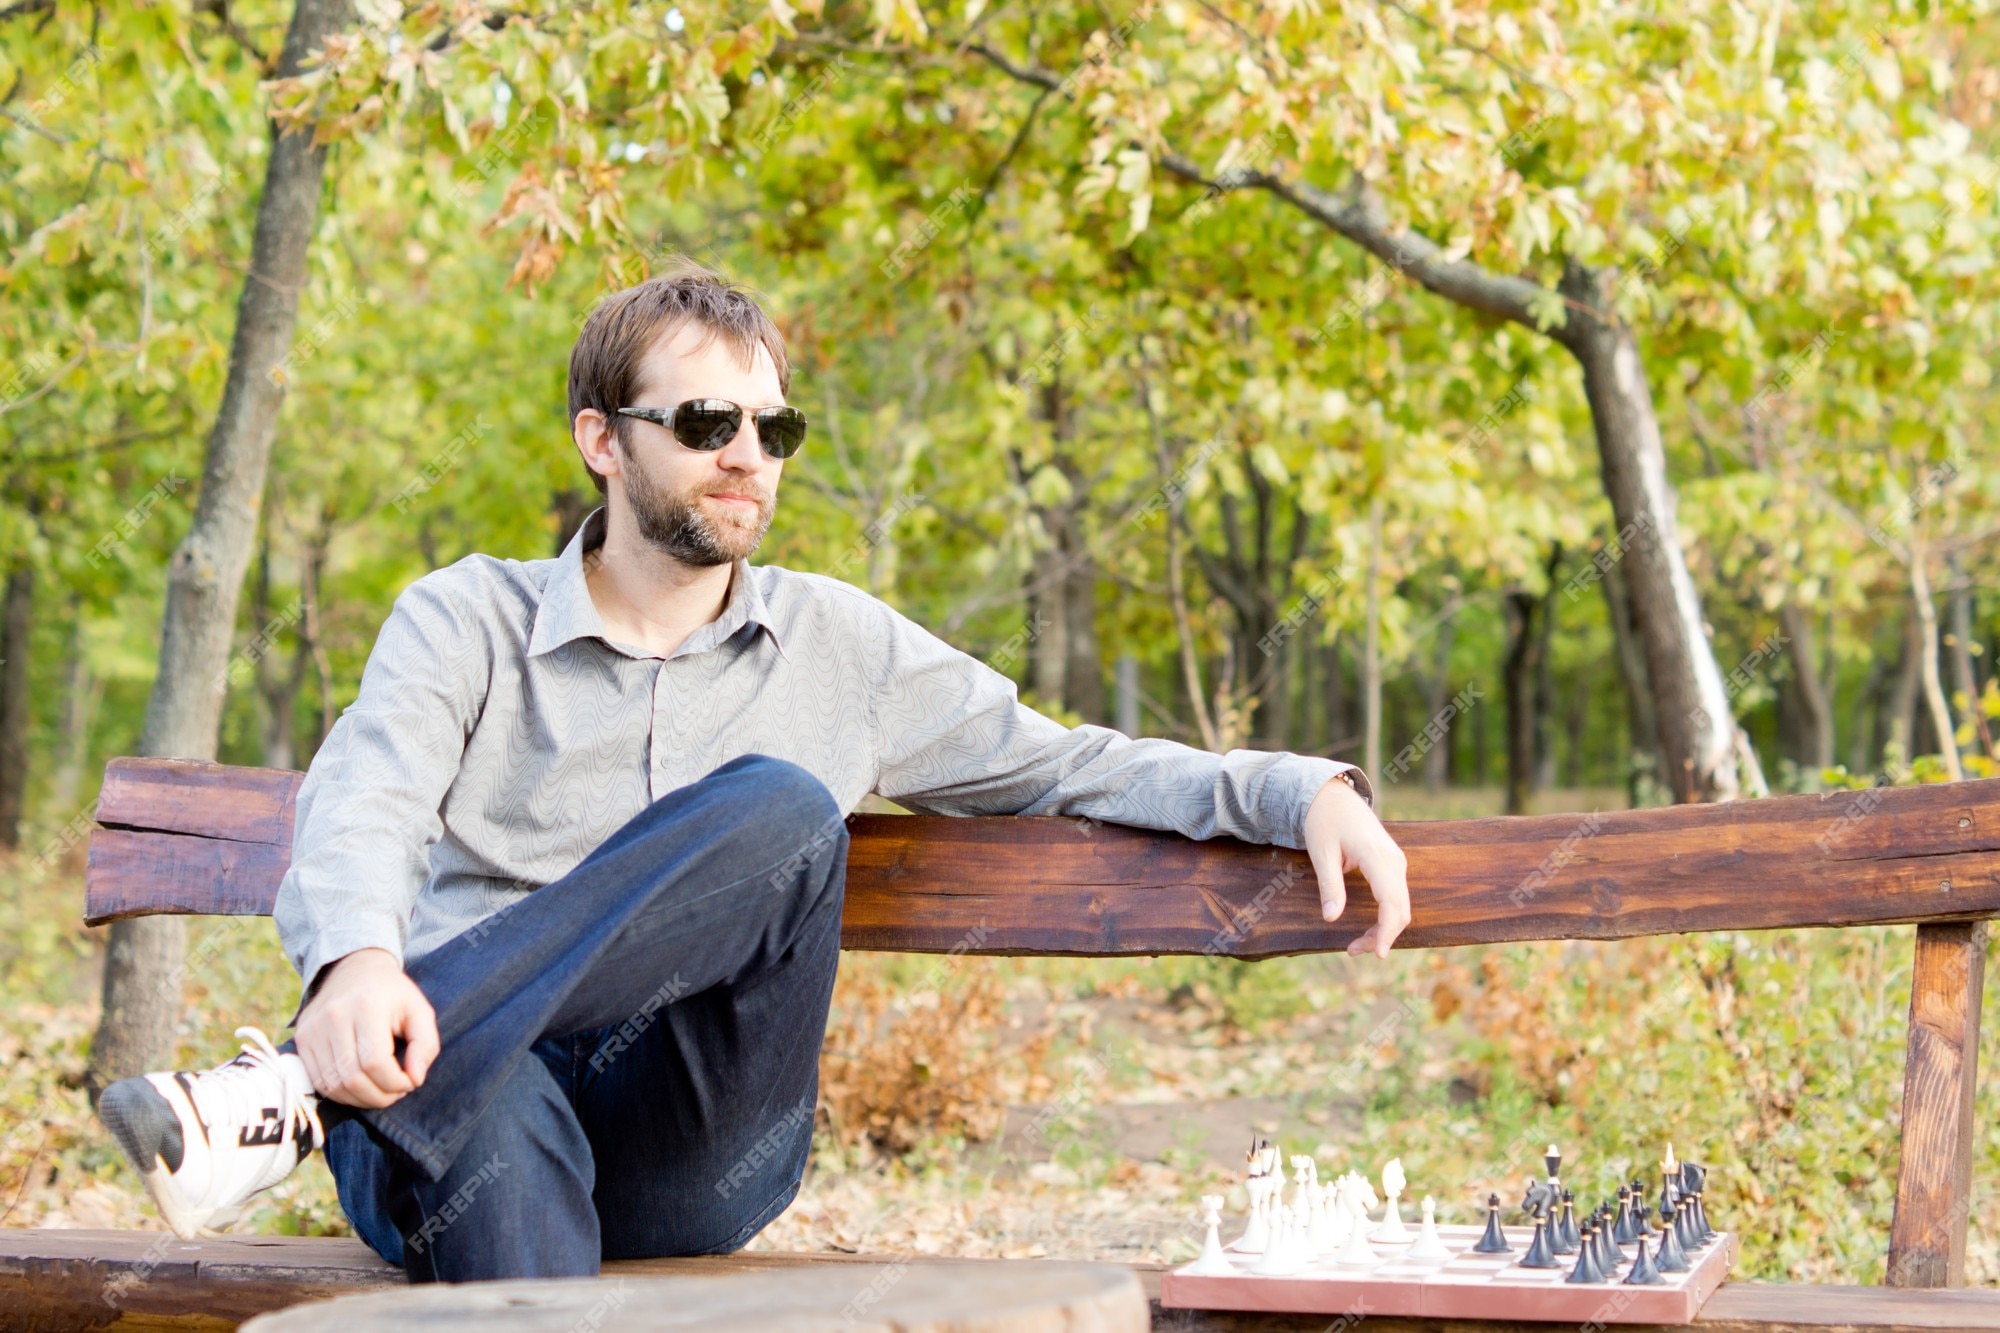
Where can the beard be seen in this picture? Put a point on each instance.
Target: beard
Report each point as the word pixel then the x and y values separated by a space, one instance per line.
pixel 674 522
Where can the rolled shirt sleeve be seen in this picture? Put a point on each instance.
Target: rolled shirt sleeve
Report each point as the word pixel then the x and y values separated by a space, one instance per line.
pixel 953 738
pixel 368 811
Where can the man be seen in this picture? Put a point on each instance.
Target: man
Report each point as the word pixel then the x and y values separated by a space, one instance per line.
pixel 566 877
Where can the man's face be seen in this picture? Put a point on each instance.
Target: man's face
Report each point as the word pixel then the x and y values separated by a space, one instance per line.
pixel 702 509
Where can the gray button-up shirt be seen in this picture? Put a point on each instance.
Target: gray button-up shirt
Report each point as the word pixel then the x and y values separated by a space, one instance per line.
pixel 499 736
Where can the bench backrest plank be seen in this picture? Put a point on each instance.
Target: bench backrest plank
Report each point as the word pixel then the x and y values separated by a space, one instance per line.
pixel 215 839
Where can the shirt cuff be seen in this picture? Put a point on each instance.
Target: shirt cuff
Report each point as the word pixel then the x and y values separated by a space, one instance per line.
pixel 329 948
pixel 1299 782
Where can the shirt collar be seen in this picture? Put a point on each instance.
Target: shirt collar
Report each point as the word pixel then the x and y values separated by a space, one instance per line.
pixel 567 613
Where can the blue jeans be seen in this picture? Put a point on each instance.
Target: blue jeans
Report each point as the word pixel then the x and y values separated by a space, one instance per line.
pixel 629 1057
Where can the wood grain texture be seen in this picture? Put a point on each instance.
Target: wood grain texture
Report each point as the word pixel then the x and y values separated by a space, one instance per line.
pixel 1940 1076
pixel 205 800
pixel 58 1280
pixel 1001 885
pixel 893 1297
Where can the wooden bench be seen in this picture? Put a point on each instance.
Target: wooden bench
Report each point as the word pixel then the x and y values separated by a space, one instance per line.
pixel 216 839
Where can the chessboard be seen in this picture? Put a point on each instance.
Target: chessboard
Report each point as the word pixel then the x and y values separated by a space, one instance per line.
pixel 1466 1286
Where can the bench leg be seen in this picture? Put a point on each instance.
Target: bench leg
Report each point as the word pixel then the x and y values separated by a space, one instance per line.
pixel 1934 1185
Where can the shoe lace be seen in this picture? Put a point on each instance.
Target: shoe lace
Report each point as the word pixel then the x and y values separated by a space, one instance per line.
pixel 236 1093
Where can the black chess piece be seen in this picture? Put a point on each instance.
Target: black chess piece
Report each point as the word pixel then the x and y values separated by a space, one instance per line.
pixel 1612 1254
pixel 1673 1257
pixel 1567 1235
pixel 1493 1242
pixel 1644 1273
pixel 1539 1254
pixel 1562 1227
pixel 1684 1224
pixel 1553 1160
pixel 1587 1269
pixel 1622 1229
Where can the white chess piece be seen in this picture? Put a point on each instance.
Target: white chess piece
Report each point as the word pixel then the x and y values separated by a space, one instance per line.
pixel 1302 1172
pixel 1355 1253
pixel 1429 1247
pixel 1213 1262
pixel 1256 1233
pixel 1321 1238
pixel 1280 1256
pixel 1391 1231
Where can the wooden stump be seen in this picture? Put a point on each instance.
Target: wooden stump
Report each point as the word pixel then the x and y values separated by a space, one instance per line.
pixel 859 1298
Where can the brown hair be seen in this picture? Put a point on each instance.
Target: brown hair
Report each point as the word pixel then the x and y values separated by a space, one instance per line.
pixel 604 364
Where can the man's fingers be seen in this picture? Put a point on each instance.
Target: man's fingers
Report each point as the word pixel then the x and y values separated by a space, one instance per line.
pixel 1387 872
pixel 419 1029
pixel 375 1051
pixel 1332 897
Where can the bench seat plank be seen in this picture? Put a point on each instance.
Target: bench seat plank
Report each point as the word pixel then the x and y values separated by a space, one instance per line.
pixel 1002 885
pixel 60 1279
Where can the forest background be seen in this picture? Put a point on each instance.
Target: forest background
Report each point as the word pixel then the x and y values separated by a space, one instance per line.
pixel 1549 406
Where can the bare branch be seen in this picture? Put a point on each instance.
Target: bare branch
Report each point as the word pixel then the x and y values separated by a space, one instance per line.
pixel 1357 213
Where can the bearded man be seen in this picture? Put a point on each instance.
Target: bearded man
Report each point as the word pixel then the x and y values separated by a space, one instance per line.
pixel 566 876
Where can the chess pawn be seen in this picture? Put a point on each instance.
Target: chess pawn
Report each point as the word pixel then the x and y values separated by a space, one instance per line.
pixel 1587 1269
pixel 1610 1254
pixel 1622 1229
pixel 1278 1254
pixel 1213 1262
pixel 1356 1254
pixel 1429 1247
pixel 1643 1273
pixel 1672 1258
pixel 1559 1243
pixel 1339 1218
pixel 1567 1236
pixel 1495 1240
pixel 1684 1231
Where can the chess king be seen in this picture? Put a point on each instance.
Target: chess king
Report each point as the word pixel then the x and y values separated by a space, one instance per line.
pixel 566 877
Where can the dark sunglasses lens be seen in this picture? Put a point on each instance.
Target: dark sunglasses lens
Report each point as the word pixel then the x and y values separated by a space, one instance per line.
pixel 707 424
pixel 783 431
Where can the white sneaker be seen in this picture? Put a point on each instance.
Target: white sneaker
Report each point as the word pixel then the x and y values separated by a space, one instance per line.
pixel 205 1143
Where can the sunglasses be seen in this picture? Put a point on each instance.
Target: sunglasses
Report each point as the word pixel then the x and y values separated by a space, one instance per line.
pixel 709 424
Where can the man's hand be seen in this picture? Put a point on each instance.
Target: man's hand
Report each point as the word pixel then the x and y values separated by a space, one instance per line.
pixel 1342 833
pixel 347 1034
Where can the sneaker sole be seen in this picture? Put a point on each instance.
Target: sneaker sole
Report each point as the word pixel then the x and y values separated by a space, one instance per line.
pixel 148 1129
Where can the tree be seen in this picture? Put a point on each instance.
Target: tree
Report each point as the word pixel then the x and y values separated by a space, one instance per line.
pixel 143 958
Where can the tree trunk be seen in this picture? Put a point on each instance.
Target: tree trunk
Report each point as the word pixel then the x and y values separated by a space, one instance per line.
pixel 1933 680
pixel 1865 739
pixel 1520 691
pixel 1436 763
pixel 17 627
pixel 1810 709
pixel 1545 748
pixel 1338 728
pixel 1578 734
pixel 1965 674
pixel 1048 625
pixel 1642 722
pixel 1697 733
pixel 1900 746
pixel 1371 651
pixel 142 966
pixel 80 698
pixel 1128 695
pixel 1083 673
